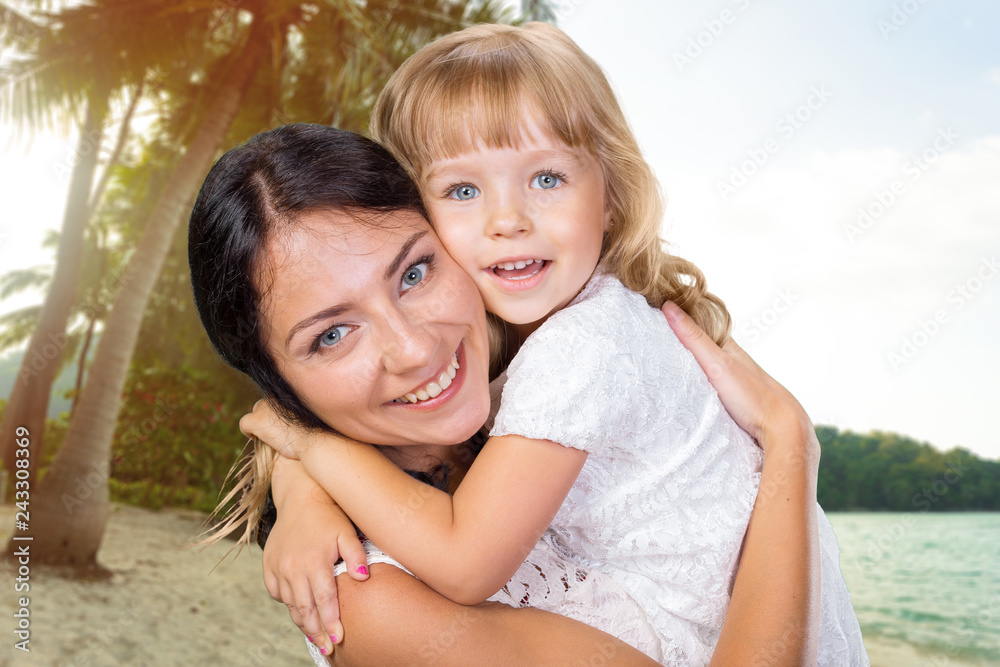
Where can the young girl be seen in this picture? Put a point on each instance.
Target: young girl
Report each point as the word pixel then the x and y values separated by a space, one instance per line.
pixel 537 188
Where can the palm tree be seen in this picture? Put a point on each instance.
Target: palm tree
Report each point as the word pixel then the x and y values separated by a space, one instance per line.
pixel 72 500
pixel 37 90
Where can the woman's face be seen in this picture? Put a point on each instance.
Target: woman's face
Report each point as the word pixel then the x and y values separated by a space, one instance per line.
pixel 367 321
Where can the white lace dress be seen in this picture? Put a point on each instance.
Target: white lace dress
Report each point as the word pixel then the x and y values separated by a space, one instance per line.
pixel 646 544
pixel 662 504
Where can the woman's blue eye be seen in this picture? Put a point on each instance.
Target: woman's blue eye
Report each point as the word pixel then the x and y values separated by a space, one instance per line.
pixel 545 181
pixel 414 275
pixel 465 192
pixel 332 337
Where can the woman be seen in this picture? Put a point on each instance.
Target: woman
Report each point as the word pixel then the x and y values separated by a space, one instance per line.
pixel 306 217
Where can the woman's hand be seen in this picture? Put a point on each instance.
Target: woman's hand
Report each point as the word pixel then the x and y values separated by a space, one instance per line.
pixel 773 616
pixel 311 533
pixel 762 407
pixel 265 424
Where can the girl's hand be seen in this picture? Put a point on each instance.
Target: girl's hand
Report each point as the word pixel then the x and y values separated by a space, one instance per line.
pixel 761 406
pixel 266 425
pixel 308 537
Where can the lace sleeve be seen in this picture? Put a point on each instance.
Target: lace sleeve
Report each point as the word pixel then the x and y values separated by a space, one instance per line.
pixel 567 381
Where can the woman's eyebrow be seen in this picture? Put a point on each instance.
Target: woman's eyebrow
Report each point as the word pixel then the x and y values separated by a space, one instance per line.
pixel 403 252
pixel 325 314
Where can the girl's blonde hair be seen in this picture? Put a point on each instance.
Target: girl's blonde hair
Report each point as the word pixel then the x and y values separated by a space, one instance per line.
pixel 477 85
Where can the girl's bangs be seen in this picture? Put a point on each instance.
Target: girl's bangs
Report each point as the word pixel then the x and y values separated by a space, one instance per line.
pixel 462 113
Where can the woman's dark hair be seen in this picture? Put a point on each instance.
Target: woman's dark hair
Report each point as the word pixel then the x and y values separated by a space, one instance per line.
pixel 254 192
pixel 257 190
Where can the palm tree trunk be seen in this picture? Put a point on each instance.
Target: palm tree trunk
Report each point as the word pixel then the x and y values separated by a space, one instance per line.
pixel 116 154
pixel 70 511
pixel 29 398
pixel 81 362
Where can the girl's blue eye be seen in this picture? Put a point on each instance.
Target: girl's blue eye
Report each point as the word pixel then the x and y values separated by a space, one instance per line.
pixel 332 337
pixel 414 275
pixel 465 192
pixel 545 181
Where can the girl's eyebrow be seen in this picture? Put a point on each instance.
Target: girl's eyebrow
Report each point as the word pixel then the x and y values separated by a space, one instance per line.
pixel 567 153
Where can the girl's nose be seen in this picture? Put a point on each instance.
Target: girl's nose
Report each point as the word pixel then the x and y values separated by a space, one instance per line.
pixel 509 219
pixel 409 343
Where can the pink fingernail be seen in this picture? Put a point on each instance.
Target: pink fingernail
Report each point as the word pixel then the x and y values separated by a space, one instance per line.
pixel 362 570
pixel 322 650
pixel 310 639
pixel 333 638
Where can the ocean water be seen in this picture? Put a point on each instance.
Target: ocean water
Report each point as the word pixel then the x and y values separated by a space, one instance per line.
pixel 928 580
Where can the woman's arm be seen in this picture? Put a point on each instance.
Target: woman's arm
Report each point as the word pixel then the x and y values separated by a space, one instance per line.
pixel 773 618
pixel 394 619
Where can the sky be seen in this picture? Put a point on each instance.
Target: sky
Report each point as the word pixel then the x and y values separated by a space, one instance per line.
pixel 833 168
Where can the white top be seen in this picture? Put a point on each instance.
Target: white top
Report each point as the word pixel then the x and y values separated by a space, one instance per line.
pixel 646 544
pixel 663 501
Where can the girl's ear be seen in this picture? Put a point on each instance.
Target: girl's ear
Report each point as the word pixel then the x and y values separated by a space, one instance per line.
pixel 608 222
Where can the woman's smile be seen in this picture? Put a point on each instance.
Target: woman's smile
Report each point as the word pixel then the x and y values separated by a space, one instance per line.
pixel 377 329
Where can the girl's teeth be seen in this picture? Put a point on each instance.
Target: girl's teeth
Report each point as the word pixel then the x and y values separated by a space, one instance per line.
pixel 422 395
pixel 412 398
pixel 519 264
pixel 433 388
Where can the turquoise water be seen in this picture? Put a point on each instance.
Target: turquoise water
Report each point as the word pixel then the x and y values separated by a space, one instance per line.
pixel 929 580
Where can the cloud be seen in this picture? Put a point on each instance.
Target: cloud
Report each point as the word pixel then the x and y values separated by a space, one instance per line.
pixel 926 225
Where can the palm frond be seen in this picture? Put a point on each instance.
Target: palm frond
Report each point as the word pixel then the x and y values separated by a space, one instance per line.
pixel 19 280
pixel 16 327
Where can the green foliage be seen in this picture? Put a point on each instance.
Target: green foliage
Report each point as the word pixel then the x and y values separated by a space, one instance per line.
pixel 885 471
pixel 174 444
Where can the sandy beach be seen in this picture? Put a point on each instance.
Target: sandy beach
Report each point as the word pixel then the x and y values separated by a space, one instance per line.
pixel 163 606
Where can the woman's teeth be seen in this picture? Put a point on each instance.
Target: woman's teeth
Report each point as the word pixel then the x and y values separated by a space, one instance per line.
pixel 433 389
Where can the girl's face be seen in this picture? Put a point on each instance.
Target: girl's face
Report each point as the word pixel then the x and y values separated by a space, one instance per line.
pixel 368 324
pixel 526 223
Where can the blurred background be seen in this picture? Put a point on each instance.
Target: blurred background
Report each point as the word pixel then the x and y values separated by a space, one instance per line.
pixel 832 168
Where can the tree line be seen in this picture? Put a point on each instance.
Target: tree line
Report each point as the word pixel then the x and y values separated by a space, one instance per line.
pixel 882 471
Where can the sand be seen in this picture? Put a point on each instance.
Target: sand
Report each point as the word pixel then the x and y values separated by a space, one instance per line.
pixel 162 606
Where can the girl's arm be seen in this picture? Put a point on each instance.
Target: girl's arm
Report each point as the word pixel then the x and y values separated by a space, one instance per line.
pixel 773 618
pixel 394 619
pixel 465 546
pixel 309 535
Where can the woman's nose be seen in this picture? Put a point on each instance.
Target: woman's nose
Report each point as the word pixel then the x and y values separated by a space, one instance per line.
pixel 409 343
